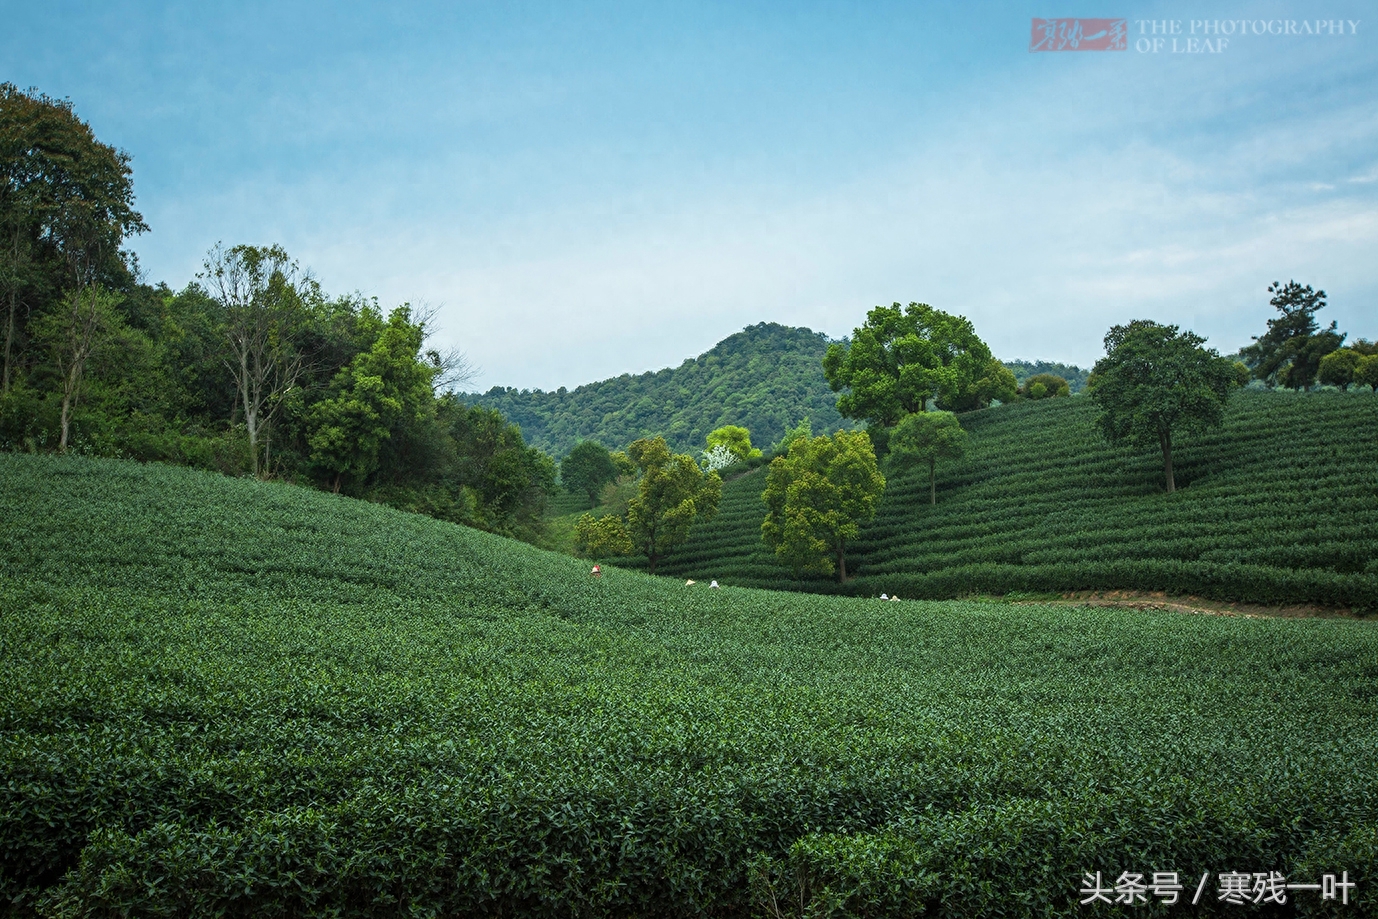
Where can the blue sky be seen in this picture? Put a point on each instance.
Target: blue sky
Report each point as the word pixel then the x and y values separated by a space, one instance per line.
pixel 589 189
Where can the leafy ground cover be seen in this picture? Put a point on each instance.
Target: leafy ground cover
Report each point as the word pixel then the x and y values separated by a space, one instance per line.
pixel 1278 506
pixel 225 697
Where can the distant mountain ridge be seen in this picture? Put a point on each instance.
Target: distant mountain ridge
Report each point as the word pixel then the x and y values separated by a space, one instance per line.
pixel 766 378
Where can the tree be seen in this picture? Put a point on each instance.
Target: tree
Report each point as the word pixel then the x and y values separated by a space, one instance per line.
pixel 1337 367
pixel 1290 352
pixel 262 294
pixel 1045 386
pixel 602 537
pixel 382 388
pixel 903 357
pixel 817 496
pixel 923 439
pixel 1155 381
pixel 71 334
pixel 66 203
pixel 587 468
pixel 672 494
pixel 1366 372
pixel 736 439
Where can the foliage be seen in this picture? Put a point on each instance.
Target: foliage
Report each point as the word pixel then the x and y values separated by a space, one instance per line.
pixel 736 439
pixel 1337 368
pixel 1044 386
pixel 1282 509
pixel 1155 380
pixel 601 537
pixel 587 468
pixel 1366 372
pixel 817 496
pixel 924 438
pixel 762 378
pixel 671 495
pixel 902 358
pixel 231 697
pixel 1073 375
pixel 1290 352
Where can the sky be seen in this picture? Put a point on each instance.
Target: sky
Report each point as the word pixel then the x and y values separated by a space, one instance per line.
pixel 581 190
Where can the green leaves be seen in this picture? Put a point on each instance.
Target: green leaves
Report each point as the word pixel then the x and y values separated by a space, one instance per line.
pixel 672 493
pixel 902 358
pixel 1155 381
pixel 817 497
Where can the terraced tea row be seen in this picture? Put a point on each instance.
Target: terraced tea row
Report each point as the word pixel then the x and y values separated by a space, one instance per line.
pixel 1280 505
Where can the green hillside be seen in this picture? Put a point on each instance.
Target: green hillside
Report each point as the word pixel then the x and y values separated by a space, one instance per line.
pixel 1280 505
pixel 765 378
pixel 226 697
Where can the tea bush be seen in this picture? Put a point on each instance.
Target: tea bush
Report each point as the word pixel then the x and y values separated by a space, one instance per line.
pixel 226 697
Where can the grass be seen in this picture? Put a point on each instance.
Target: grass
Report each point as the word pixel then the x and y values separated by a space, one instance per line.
pixel 224 697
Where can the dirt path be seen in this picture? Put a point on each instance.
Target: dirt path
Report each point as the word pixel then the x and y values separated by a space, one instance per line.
pixel 1197 605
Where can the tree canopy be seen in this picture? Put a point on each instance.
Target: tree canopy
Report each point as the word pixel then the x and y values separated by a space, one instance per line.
pixel 924 438
pixel 1154 382
pixel 1290 352
pixel 817 497
pixel 902 357
pixel 587 468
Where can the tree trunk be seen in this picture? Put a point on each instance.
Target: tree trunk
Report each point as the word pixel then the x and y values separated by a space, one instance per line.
pixel 932 482
pixel 653 561
pixel 1165 438
pixel 68 387
pixel 10 313
pixel 250 413
pixel 841 563
pixel 336 489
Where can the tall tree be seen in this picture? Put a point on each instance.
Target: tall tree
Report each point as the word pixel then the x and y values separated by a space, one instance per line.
pixel 672 494
pixel 924 438
pixel 904 356
pixel 1290 352
pixel 66 205
pixel 587 468
pixel 262 295
pixel 817 496
pixel 71 334
pixel 1154 382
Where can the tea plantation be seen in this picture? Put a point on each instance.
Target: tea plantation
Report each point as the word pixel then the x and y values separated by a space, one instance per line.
pixel 1278 506
pixel 220 697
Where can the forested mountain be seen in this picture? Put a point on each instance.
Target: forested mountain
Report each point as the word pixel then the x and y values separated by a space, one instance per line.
pixel 764 378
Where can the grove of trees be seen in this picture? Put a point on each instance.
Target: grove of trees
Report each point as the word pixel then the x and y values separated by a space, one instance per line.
pixel 251 369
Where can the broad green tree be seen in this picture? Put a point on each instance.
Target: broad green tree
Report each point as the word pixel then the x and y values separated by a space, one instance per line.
pixel 904 356
pixel 1155 382
pixel 672 494
pixel 602 537
pixel 1290 352
pixel 924 438
pixel 587 468
pixel 817 497
pixel 1337 367
pixel 1366 372
pixel 382 389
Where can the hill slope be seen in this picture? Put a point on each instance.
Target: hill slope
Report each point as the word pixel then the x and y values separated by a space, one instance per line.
pixel 223 697
pixel 765 378
pixel 1278 506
